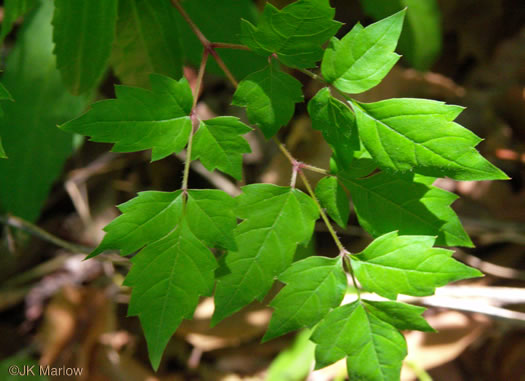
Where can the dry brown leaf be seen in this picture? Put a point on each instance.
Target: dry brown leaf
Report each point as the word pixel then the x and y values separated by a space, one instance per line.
pixel 74 321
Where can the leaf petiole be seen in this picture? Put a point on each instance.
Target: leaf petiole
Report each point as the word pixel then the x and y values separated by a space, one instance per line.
pixel 194 120
pixel 348 265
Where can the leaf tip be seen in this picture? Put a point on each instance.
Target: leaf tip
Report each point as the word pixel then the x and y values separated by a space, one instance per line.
pixel 503 176
pixel 93 254
pixel 154 359
pixel 475 273
pixel 216 319
pixel 64 126
pixel 267 337
pixel 319 365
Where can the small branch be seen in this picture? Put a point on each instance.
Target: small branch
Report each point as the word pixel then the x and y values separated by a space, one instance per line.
pixel 39 271
pixel 312 75
pixel 290 158
pixel 496 313
pixel 224 68
pixel 323 214
pixel 204 41
pixel 225 45
pixel 346 260
pixel 494 295
pixel 32 229
pixel 342 251
pixel 475 299
pixel 200 76
pixel 194 119
pixel 299 165
pixel 316 169
pixel 194 125
pixel 489 268
pixel 208 46
pixel 284 150
pixel 296 167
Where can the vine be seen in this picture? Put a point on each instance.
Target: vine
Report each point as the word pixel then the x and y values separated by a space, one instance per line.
pixel 386 155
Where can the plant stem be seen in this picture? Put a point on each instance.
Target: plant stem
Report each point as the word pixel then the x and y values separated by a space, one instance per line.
pixel 283 149
pixel 208 46
pixel 224 68
pixel 316 169
pixel 194 119
pixel 186 175
pixel 323 214
pixel 295 170
pixel 204 41
pixel 346 260
pixel 292 159
pixel 226 45
pixel 312 75
pixel 200 76
pixel 30 228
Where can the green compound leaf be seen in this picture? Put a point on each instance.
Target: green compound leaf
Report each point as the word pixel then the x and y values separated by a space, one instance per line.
pixel 384 203
pixel 408 265
pixel 337 123
pixel 218 144
pixel 174 267
pixel 276 220
pixel 373 348
pixel 364 56
pixel 334 199
pixel 147 41
pixel 168 277
pixel 420 135
pixel 269 96
pixel 295 33
pixel 83 33
pixel 420 41
pixel 314 286
pixel 140 119
pixel 13 9
pixel 400 315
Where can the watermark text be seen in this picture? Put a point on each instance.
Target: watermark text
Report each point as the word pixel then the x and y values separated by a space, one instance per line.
pixel 44 370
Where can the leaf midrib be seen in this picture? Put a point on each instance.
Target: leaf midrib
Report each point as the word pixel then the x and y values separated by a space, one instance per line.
pixel 312 292
pixel 261 248
pixel 152 219
pixel 416 144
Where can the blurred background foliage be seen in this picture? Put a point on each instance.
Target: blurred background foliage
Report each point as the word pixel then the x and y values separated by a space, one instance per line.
pixel 57 309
